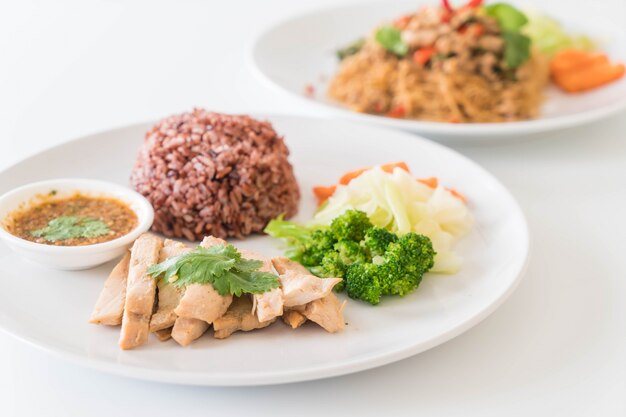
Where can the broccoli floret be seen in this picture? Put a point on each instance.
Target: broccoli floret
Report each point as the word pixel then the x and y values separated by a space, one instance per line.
pixel 414 252
pixel 398 271
pixel 362 282
pixel 332 266
pixel 350 252
pixel 377 240
pixel 351 225
pixel 404 264
pixel 319 243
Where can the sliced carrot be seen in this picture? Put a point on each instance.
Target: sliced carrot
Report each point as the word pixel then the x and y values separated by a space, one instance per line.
pixel 432 182
pixel 349 176
pixel 457 194
pixel 571 59
pixel 323 193
pixel 576 70
pixel 589 78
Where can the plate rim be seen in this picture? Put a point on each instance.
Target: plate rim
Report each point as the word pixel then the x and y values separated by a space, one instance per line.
pixel 449 133
pixel 303 374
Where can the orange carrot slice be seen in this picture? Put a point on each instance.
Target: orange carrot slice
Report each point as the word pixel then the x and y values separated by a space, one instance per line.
pixel 349 176
pixel 323 193
pixel 432 182
pixel 576 70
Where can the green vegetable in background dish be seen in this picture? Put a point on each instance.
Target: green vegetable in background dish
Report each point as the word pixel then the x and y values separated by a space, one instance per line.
pixel 511 21
pixel 221 266
pixel 550 37
pixel 508 17
pixel 373 261
pixel 71 227
pixel 350 49
pixel 516 48
pixel 390 38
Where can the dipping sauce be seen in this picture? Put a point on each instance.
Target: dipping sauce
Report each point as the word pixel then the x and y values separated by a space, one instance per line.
pixel 76 220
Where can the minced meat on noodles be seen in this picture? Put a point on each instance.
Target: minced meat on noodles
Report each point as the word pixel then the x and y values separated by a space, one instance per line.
pixel 464 77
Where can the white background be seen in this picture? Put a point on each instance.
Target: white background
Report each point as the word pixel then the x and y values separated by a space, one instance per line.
pixel 556 347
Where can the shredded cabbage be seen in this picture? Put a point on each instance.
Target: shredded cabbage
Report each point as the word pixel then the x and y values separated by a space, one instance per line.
pixel 549 36
pixel 401 204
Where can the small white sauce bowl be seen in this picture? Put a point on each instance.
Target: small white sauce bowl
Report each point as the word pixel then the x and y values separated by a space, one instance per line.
pixel 73 257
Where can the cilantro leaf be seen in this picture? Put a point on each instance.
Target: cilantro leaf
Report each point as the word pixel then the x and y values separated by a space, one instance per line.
pixel 391 39
pixel 70 227
pixel 508 17
pixel 350 49
pixel 221 266
pixel 516 48
pixel 237 282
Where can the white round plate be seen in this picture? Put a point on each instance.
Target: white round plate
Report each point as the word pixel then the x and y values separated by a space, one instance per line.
pixel 49 309
pixel 301 51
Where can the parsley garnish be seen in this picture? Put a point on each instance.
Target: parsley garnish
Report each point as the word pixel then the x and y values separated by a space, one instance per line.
pixel 71 227
pixel 391 39
pixel 350 49
pixel 511 20
pixel 221 266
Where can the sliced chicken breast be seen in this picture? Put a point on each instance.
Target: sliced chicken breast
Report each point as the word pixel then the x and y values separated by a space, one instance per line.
pixel 294 318
pixel 168 295
pixel 327 312
pixel 186 331
pixel 238 317
pixel 269 304
pixel 164 334
pixel 140 292
pixel 299 289
pixel 110 305
pixel 283 265
pixel 200 301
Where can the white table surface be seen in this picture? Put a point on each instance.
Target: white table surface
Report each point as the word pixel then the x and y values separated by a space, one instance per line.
pixel 556 347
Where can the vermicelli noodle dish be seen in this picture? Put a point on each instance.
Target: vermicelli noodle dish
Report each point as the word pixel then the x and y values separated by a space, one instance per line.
pixel 466 64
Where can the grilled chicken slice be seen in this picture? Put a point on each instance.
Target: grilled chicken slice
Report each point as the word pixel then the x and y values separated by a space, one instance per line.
pixel 269 304
pixel 168 295
pixel 186 331
pixel 164 334
pixel 282 265
pixel 327 312
pixel 110 305
pixel 300 289
pixel 199 302
pixel 140 292
pixel 294 318
pixel 238 317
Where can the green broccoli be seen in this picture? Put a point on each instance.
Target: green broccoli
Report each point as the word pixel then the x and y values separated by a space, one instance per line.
pixel 350 252
pixel 377 240
pixel 372 261
pixel 362 282
pixel 404 264
pixel 319 243
pixel 351 225
pixel 398 272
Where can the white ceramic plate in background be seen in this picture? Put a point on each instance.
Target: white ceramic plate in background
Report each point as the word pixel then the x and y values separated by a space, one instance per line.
pixel 443 307
pixel 301 51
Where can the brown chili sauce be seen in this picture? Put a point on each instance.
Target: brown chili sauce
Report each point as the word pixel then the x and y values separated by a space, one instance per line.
pixel 49 221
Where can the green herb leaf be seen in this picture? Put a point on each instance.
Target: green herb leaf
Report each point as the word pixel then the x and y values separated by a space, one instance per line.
pixel 71 227
pixel 391 39
pixel 508 17
pixel 221 266
pixel 516 48
pixel 350 49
